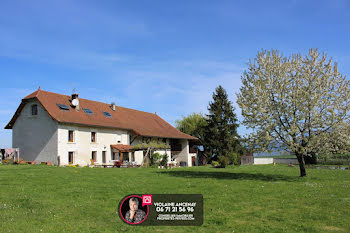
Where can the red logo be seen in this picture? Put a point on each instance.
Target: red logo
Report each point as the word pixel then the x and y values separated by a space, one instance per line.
pixel 146 200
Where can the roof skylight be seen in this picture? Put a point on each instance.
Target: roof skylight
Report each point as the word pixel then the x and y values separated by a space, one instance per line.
pixel 107 114
pixel 88 111
pixel 63 107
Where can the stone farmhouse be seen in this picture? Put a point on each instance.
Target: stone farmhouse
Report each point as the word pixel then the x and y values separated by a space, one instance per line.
pixel 63 130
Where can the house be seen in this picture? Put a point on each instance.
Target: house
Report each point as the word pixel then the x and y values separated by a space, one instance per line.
pixel 63 130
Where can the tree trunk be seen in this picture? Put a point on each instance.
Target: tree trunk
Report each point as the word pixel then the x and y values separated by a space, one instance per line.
pixel 301 161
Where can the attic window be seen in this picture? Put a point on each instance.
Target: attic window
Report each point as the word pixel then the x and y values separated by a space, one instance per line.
pixel 34 109
pixel 88 111
pixel 63 107
pixel 107 114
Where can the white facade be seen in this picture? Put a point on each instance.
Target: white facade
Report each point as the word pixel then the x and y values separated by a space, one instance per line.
pixel 82 146
pixel 35 135
pixel 184 155
pixel 42 139
pixel 276 160
pixel 263 160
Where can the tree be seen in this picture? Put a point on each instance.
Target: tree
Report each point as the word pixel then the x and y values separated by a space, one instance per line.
pixel 220 135
pixel 149 147
pixel 293 102
pixel 335 141
pixel 193 124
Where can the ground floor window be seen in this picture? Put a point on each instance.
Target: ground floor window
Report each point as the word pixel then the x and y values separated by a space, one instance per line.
pixel 132 156
pixel 93 155
pixel 125 156
pixel 115 156
pixel 70 157
pixel 103 156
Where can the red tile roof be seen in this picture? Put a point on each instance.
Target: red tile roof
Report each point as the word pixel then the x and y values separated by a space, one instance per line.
pixel 140 123
pixel 122 148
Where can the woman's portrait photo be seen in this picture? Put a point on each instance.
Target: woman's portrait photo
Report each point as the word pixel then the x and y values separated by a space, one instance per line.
pixel 132 211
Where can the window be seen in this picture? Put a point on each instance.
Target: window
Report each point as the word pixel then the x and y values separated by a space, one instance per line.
pixel 116 156
pixel 70 157
pixel 125 156
pixel 70 136
pixel 34 109
pixel 93 155
pixel 88 111
pixel 93 136
pixel 132 156
pixel 103 156
pixel 107 114
pixel 63 107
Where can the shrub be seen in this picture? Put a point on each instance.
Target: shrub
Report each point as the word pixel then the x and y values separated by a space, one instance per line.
pixel 333 159
pixel 155 157
pixel 7 161
pixel 234 158
pixel 22 161
pixel 164 160
pixel 223 161
pixel 215 163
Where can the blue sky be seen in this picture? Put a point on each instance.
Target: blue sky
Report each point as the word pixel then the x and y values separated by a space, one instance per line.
pixel 156 56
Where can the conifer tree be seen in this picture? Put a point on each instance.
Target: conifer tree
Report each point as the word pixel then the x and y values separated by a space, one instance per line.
pixel 221 138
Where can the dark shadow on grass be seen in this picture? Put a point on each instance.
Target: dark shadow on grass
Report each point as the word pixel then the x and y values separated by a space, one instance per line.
pixel 229 175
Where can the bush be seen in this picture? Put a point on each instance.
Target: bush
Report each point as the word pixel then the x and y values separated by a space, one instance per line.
pixel 234 158
pixel 7 161
pixel 22 161
pixel 155 157
pixel 223 161
pixel 215 163
pixel 164 160
pixel 333 159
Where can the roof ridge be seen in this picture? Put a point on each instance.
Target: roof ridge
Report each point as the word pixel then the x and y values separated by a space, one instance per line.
pixel 96 102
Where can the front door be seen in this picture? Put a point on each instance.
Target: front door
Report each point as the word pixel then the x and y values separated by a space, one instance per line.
pixel 70 157
pixel 103 156
pixel 193 161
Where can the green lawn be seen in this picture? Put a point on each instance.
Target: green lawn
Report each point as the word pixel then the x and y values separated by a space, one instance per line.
pixel 254 198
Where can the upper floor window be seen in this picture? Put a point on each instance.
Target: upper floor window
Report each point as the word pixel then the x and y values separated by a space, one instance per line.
pixel 34 109
pixel 70 136
pixel 93 136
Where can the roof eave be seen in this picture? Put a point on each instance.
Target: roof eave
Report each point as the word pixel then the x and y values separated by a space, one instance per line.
pixel 99 126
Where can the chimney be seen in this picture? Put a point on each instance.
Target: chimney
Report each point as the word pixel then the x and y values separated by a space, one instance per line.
pixel 113 106
pixel 75 101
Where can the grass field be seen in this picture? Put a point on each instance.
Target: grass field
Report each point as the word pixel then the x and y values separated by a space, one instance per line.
pixel 254 198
